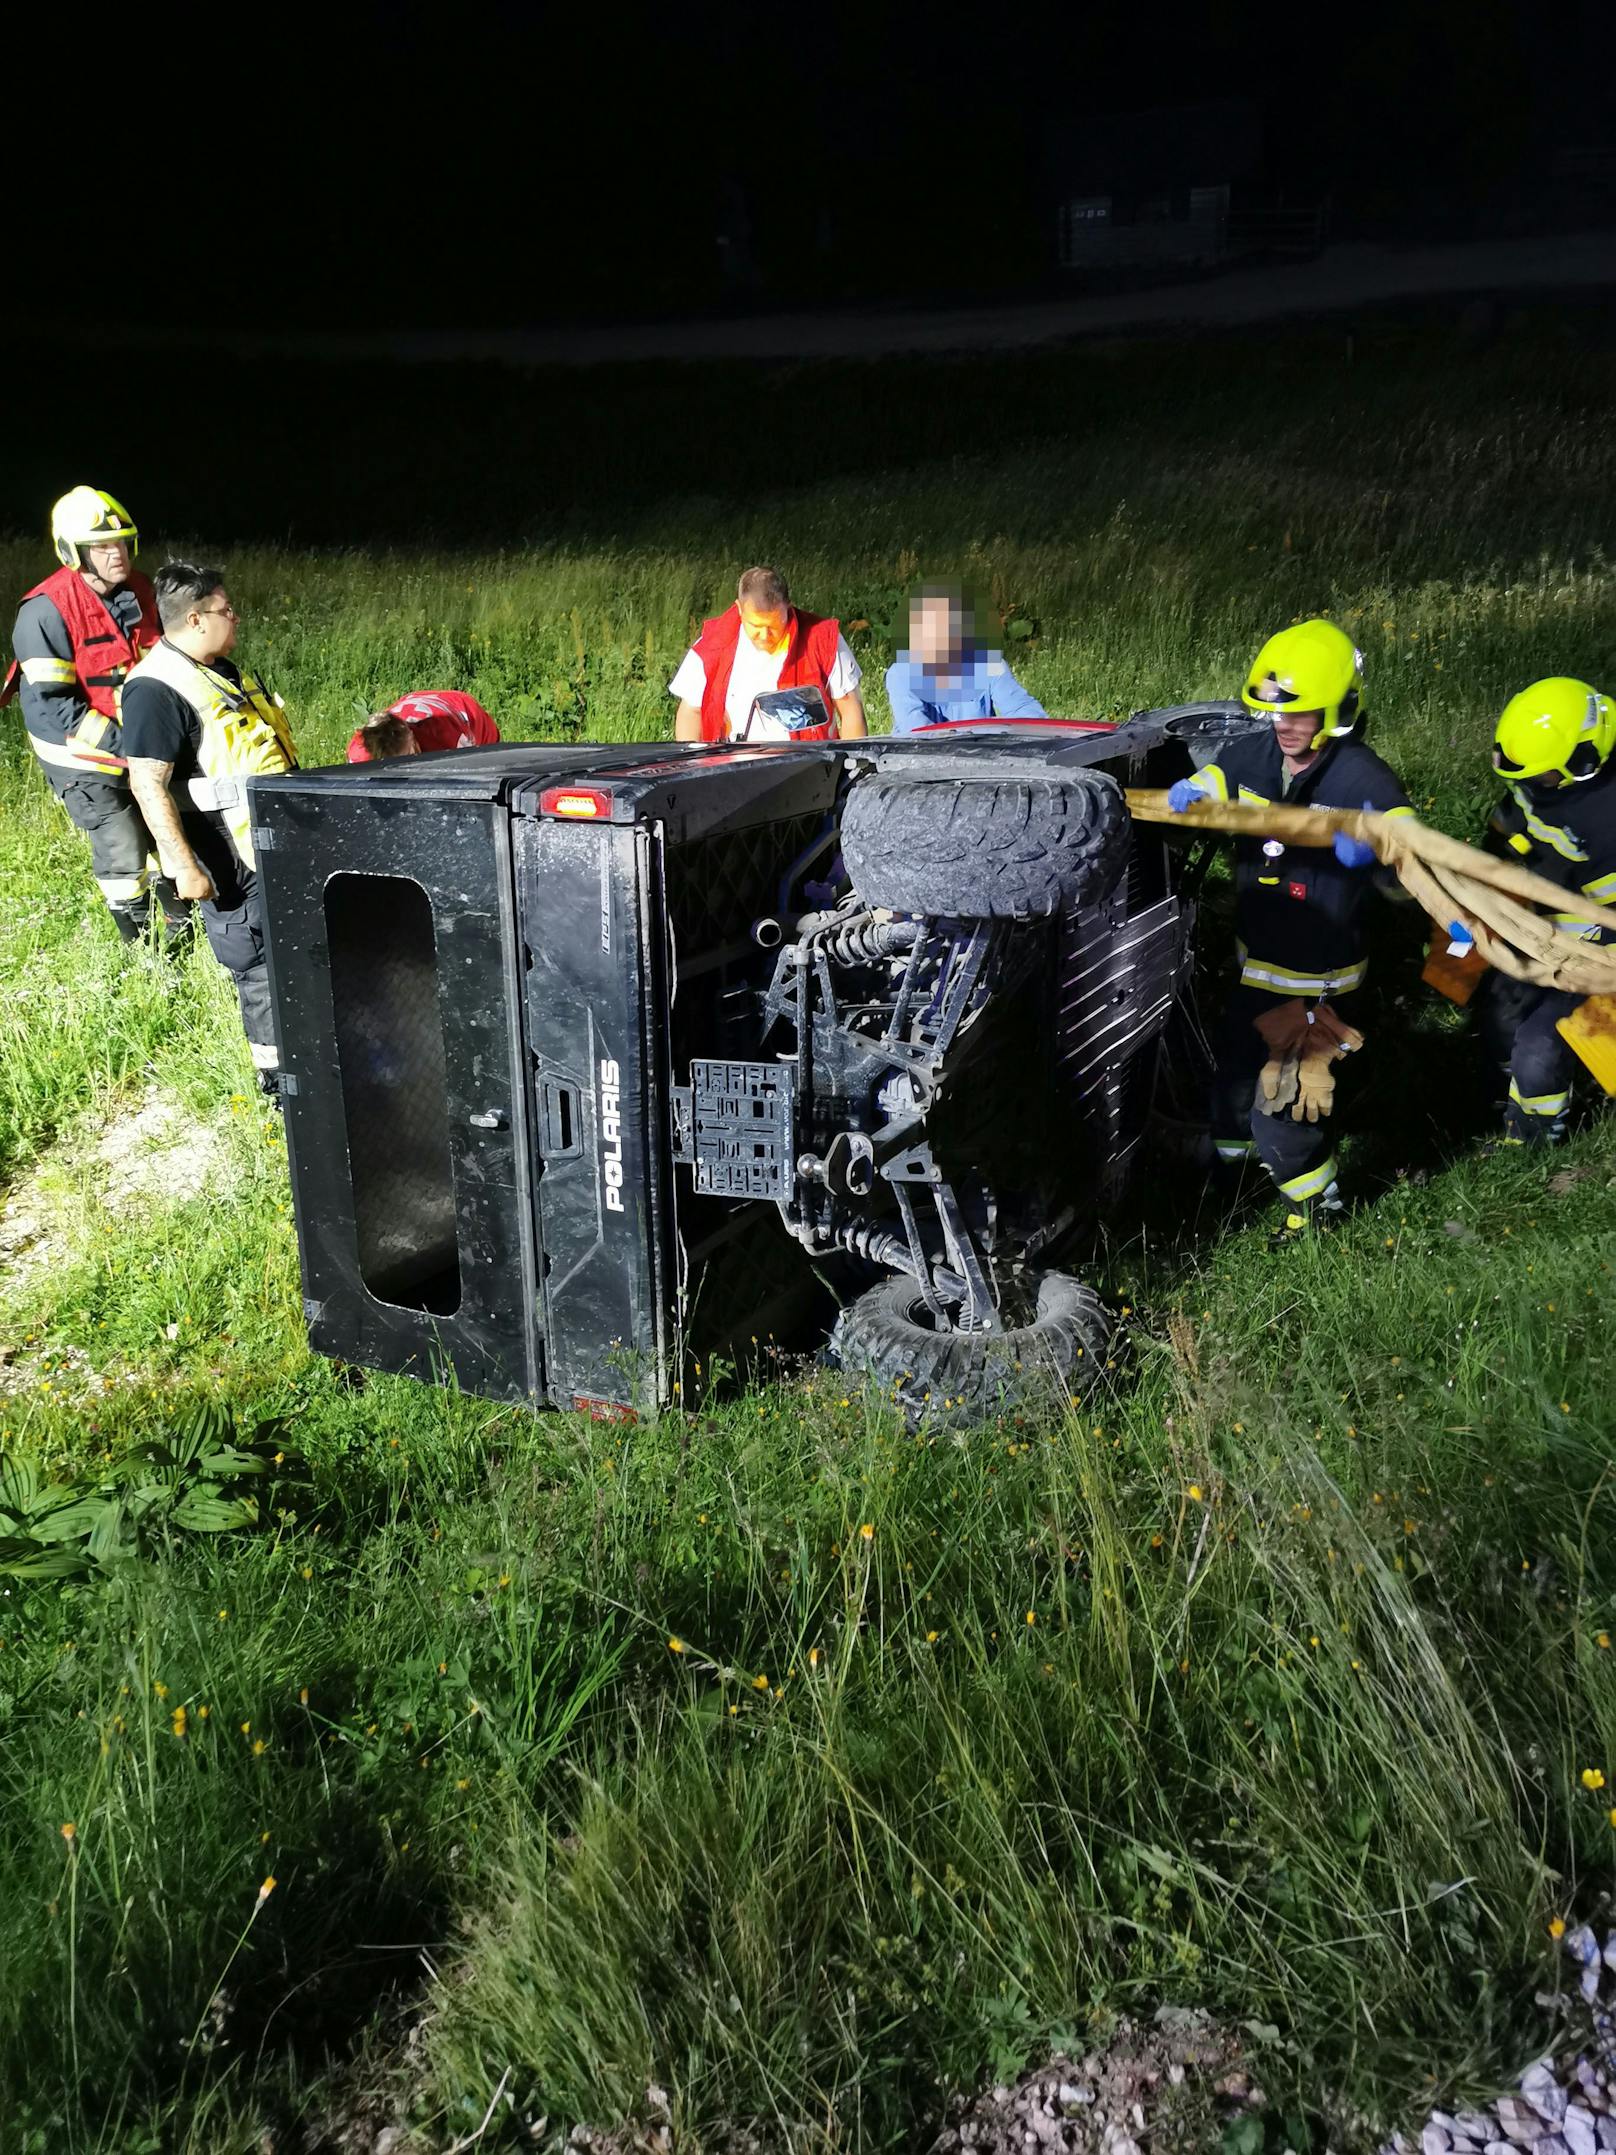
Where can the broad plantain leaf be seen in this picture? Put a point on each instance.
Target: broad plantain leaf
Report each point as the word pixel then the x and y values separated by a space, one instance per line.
pixel 204 1511
pixel 22 1558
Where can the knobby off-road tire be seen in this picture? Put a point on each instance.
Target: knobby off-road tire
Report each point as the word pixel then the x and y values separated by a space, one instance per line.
pixel 891 1336
pixel 985 849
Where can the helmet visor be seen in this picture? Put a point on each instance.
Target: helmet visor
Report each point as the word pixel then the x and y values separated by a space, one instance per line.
pixel 1583 763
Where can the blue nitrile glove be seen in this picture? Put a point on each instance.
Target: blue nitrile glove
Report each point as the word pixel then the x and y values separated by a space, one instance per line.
pixel 1181 793
pixel 1353 852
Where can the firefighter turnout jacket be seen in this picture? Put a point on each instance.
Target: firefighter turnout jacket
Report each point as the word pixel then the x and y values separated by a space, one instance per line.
pixel 1568 836
pixel 73 648
pixel 216 725
pixel 1299 912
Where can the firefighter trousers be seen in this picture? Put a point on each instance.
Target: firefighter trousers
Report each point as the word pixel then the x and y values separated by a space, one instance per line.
pixel 122 855
pixel 1518 1024
pixel 234 926
pixel 1300 1156
pixel 233 922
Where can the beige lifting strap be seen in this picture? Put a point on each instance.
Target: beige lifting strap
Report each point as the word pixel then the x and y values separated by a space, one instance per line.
pixel 1503 905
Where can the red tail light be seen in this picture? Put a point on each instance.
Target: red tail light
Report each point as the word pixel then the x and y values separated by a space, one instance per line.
pixel 588 802
pixel 603 1410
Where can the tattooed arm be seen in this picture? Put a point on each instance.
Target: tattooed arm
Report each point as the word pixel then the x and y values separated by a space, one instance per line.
pixel 148 781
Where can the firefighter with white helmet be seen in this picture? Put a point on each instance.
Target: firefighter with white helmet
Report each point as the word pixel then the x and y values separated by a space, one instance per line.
pixel 1552 747
pixel 77 635
pixel 1299 914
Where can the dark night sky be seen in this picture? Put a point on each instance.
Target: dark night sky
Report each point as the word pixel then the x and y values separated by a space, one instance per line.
pixel 495 163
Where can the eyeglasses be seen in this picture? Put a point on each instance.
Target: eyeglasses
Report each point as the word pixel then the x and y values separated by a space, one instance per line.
pixel 227 613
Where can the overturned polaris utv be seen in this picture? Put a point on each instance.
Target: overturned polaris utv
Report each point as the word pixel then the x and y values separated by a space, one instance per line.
pixel 604 1062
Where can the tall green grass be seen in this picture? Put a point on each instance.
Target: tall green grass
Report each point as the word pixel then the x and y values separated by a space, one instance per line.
pixel 1268 1686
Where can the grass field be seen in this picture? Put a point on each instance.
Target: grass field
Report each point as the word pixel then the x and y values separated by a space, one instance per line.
pixel 800 1768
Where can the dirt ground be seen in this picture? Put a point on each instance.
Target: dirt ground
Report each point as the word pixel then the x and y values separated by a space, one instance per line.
pixel 155 1150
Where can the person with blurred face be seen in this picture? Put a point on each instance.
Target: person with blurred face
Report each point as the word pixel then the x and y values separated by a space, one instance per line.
pixel 946 677
pixel 76 636
pixel 1299 915
pixel 760 644
pixel 196 726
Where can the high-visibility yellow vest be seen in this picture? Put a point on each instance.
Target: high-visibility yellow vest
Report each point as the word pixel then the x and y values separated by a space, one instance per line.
pixel 244 735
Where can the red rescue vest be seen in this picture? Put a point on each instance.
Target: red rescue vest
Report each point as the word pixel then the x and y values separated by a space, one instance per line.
pixel 809 659
pixel 102 653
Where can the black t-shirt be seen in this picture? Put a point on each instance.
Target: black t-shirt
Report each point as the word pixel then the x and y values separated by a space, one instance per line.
pixel 158 722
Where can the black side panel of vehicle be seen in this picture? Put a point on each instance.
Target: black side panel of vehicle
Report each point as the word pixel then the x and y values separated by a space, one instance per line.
pixel 394 966
pixel 589 901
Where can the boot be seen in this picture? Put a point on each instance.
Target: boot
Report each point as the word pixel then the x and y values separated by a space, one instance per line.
pixel 1302 1218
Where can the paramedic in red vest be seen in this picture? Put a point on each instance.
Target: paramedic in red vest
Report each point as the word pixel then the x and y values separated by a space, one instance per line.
pixel 423 723
pixel 763 642
pixel 196 727
pixel 77 635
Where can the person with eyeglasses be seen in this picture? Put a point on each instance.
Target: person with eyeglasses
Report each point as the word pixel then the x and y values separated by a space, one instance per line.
pixel 77 634
pixel 195 729
pixel 1552 747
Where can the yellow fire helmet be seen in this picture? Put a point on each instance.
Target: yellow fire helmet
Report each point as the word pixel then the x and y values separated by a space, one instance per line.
pixel 87 517
pixel 1559 730
pixel 1312 666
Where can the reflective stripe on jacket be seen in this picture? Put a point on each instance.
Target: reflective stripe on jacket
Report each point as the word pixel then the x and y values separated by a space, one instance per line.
pixel 244 735
pixel 102 652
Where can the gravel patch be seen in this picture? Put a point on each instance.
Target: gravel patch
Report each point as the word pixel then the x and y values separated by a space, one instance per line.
pixel 1565 2102
pixel 1176 2082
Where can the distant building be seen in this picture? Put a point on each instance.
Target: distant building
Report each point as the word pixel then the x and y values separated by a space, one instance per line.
pixel 1169 189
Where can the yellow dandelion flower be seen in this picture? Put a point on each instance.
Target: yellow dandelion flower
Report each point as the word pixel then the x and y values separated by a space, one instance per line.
pixel 179 1720
pixel 1602 1641
pixel 1592 1778
pixel 1032 1616
pixel 265 1890
pixel 1557 1928
pixel 932 1638
pixel 676 1646
pixel 866 1532
pixel 813 1657
pixel 70 1832
pixel 760 1683
pixel 1194 1492
pixel 259 1747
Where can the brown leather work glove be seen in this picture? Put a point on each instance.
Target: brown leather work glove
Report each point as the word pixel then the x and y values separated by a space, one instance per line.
pixel 1328 1032
pixel 1276 1084
pixel 1285 1029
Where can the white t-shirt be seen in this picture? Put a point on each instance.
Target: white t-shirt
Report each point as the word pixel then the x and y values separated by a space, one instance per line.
pixel 755 673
